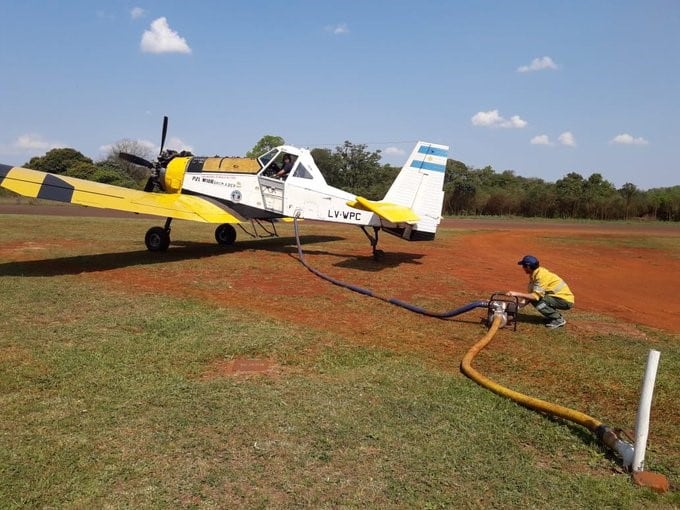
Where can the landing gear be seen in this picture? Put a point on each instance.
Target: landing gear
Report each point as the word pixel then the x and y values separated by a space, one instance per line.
pixel 377 254
pixel 158 238
pixel 225 234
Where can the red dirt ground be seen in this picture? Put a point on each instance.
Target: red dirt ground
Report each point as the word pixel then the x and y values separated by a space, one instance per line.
pixel 608 275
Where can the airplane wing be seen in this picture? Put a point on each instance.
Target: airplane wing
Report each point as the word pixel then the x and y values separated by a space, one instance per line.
pixel 36 184
pixel 393 213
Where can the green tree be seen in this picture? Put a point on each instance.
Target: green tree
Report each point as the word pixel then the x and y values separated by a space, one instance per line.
pixel 630 193
pixel 539 199
pixel 569 194
pixel 460 197
pixel 667 202
pixel 328 165
pixel 455 170
pixel 600 198
pixel 352 168
pixel 266 143
pixel 57 161
pixel 356 165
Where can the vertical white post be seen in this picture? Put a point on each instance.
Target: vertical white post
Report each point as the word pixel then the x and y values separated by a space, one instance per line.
pixel 642 421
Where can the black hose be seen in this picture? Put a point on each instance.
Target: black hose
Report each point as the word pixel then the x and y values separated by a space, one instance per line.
pixel 368 292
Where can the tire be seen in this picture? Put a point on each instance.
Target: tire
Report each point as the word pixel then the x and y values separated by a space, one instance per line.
pixel 157 239
pixel 225 234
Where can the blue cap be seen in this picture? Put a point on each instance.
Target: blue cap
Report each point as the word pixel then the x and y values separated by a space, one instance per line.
pixel 529 261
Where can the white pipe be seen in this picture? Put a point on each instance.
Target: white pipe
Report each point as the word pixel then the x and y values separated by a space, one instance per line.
pixel 642 421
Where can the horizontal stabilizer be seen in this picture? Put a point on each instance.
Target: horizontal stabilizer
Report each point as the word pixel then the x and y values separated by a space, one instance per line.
pixel 393 213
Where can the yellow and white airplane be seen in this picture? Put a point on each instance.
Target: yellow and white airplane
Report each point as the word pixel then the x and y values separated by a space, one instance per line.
pixel 284 183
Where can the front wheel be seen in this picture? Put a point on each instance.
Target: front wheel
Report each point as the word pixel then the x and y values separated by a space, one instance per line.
pixel 157 239
pixel 225 234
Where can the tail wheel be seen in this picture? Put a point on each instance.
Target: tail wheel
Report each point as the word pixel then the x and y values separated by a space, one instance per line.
pixel 157 239
pixel 225 234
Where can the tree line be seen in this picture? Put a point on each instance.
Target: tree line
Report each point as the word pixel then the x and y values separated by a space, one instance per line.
pixel 468 190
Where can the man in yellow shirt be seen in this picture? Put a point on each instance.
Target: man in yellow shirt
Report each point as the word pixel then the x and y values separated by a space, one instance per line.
pixel 548 293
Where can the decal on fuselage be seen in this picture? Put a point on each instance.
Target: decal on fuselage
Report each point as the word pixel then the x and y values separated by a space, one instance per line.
pixel 218 180
pixel 345 215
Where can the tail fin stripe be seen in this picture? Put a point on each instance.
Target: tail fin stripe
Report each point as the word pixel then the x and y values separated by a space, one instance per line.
pixel 433 151
pixel 424 165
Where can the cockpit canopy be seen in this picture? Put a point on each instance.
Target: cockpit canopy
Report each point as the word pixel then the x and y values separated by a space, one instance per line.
pixel 278 159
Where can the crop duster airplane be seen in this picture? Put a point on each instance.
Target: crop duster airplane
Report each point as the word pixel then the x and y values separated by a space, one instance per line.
pixel 284 183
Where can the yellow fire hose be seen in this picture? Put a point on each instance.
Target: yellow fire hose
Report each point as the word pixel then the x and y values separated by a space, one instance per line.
pixel 603 432
pixel 500 318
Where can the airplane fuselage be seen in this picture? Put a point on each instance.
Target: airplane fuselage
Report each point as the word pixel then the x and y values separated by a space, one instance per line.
pixel 254 193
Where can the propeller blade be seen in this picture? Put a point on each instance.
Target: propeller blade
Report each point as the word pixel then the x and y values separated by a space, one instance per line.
pixel 150 184
pixel 137 160
pixel 165 132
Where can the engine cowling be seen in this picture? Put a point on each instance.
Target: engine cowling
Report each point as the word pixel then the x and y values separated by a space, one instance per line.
pixel 172 176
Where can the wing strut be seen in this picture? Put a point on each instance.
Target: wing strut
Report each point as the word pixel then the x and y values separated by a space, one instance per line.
pixel 255 234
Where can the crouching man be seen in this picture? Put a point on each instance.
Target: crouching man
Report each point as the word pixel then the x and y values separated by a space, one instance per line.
pixel 548 293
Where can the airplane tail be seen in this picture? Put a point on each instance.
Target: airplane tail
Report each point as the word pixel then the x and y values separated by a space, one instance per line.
pixel 419 186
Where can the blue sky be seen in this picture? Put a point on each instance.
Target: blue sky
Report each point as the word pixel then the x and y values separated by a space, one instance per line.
pixel 542 88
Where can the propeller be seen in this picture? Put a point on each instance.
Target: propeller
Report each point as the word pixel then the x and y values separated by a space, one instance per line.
pixel 134 159
pixel 152 183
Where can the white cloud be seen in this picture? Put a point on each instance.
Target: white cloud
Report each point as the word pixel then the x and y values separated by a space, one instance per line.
pixel 28 145
pixel 137 12
pixel 162 39
pixel 393 151
pixel 567 138
pixel 541 140
pixel 339 29
pixel 538 64
pixel 493 119
pixel 177 144
pixel 626 139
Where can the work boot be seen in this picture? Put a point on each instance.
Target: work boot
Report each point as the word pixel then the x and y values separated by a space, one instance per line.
pixel 556 323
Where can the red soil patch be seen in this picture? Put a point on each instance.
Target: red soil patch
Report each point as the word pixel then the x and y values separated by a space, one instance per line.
pixel 635 285
pixel 470 260
pixel 241 367
pixel 624 287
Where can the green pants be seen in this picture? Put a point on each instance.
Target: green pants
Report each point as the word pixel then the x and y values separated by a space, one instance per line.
pixel 549 305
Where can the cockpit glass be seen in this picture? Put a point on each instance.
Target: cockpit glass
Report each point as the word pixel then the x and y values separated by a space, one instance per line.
pixel 267 157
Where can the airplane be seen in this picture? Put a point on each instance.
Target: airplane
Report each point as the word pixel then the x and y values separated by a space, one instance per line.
pixel 283 184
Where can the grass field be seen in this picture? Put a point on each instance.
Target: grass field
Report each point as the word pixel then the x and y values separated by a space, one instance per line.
pixel 119 385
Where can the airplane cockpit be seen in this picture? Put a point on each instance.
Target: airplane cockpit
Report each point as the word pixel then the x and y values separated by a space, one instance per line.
pixel 279 164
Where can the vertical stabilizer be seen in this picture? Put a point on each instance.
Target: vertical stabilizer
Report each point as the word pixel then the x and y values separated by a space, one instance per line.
pixel 419 186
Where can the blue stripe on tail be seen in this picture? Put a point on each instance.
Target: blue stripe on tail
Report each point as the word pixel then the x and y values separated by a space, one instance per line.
pixel 433 151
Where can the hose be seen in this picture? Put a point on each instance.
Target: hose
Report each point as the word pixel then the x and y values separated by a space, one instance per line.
pixel 367 292
pixel 604 433
pixel 534 403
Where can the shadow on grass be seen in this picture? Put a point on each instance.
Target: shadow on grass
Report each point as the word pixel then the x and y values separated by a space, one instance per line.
pixel 367 262
pixel 178 251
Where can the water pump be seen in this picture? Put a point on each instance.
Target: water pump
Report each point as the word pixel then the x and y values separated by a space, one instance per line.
pixel 504 306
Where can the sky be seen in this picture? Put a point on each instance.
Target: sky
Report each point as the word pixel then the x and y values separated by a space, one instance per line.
pixel 542 88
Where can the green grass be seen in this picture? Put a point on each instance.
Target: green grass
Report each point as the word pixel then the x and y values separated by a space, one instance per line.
pixel 106 404
pixel 668 244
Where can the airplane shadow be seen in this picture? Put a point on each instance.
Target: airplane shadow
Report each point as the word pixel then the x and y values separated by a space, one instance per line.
pixel 187 250
pixel 179 250
pixel 367 262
